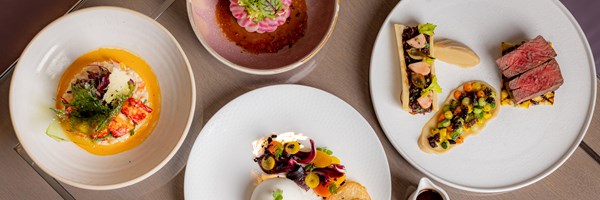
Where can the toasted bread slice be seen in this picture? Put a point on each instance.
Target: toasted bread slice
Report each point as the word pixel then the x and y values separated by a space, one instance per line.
pixel 351 191
pixel 474 130
pixel 404 96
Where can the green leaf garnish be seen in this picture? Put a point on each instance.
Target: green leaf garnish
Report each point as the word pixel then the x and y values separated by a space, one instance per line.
pixel 428 60
pixel 260 9
pixel 332 188
pixel 434 86
pixel 426 29
pixel 132 131
pixel 309 167
pixel 88 113
pixel 325 150
pixel 278 152
pixel 278 195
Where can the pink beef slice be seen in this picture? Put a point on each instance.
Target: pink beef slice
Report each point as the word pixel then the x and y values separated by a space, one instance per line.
pixel 536 82
pixel 527 56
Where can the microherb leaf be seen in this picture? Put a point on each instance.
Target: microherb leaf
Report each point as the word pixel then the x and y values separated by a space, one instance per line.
pixel 309 167
pixel 428 60
pixel 325 150
pixel 278 194
pixel 426 29
pixel 87 112
pixel 434 86
pixel 278 152
pixel 132 131
pixel 332 188
pixel 260 9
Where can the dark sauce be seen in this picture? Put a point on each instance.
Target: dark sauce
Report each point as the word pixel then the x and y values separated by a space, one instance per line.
pixel 256 43
pixel 429 194
pixel 414 92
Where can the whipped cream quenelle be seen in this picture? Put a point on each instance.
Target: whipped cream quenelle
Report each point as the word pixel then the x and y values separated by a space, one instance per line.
pixel 266 24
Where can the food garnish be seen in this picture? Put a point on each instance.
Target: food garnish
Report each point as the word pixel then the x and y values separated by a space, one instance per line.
pixel 309 167
pixel 426 29
pixel 465 112
pixel 530 74
pixel 262 26
pixel 419 82
pixel 278 195
pixel 260 15
pixel 101 102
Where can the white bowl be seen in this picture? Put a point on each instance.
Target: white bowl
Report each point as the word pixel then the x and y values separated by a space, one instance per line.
pixel 35 80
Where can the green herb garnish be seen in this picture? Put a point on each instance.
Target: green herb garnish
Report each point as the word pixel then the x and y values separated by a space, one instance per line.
pixel 89 113
pixel 428 60
pixel 260 9
pixel 325 150
pixel 434 86
pixel 278 152
pixel 332 188
pixel 309 167
pixel 426 29
pixel 278 195
pixel 132 131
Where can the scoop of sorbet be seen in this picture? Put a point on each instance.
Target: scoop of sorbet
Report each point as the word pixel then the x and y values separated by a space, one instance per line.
pixel 264 25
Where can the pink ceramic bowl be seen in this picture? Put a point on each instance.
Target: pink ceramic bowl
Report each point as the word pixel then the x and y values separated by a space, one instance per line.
pixel 322 16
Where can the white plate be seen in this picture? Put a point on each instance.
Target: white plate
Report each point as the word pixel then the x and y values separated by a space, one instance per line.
pixel 520 146
pixel 220 163
pixel 35 79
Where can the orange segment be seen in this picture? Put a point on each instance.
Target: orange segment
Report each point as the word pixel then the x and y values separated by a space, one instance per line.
pixel 323 190
pixel 322 160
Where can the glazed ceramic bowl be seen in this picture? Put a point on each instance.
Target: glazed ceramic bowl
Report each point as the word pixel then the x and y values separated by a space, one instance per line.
pixel 35 80
pixel 322 16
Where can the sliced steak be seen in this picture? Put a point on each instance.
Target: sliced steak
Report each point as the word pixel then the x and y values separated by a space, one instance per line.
pixel 527 56
pixel 535 82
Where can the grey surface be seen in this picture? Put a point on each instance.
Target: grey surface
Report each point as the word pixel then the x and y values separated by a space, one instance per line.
pixel 15 173
pixel 587 13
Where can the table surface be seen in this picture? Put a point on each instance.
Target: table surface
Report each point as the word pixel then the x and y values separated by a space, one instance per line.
pixel 341 68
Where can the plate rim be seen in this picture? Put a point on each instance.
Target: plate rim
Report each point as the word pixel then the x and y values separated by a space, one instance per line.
pixel 147 174
pixel 201 134
pixel 551 168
